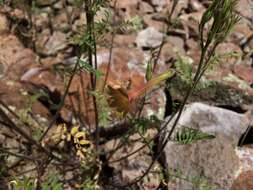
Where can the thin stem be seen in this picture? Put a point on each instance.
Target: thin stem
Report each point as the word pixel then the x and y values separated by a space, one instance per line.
pixel 62 101
pixel 89 18
pixel 168 24
pixel 189 91
pixel 111 49
pixel 18 155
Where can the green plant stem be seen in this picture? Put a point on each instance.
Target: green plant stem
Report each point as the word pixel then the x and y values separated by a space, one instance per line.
pixel 89 18
pixel 111 49
pixel 12 126
pixel 92 37
pixel 62 101
pixel 19 155
pixel 168 24
pixel 168 138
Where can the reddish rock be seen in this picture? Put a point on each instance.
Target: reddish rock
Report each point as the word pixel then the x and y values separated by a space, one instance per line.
pixel 241 31
pixel 15 58
pixel 244 7
pixel 145 8
pixel 42 21
pixel 61 22
pixel 177 44
pixel 4 24
pixel 150 22
pixel 244 181
pixel 130 8
pixel 126 3
pixel 193 50
pixel 226 48
pixel 244 72
pixel 124 40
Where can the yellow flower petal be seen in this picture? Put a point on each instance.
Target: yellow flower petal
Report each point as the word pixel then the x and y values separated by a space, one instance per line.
pixel 74 130
pixel 84 142
pixel 68 137
pixel 80 134
pixel 80 154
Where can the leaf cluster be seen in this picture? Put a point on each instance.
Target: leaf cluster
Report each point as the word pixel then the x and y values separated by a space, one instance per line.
pixel 223 16
pixel 189 135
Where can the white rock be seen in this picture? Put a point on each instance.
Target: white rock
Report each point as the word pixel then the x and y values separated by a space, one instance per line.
pixel 57 42
pixel 216 159
pixel 159 4
pixel 149 37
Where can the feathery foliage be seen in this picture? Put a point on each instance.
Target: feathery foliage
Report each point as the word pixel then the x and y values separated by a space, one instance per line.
pixel 188 135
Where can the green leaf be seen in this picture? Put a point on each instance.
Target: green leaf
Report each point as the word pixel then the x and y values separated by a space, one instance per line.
pixel 142 124
pixel 88 68
pixel 149 71
pixel 103 107
pixel 184 67
pixel 189 135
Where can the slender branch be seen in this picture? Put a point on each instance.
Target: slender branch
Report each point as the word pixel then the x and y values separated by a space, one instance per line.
pixel 19 155
pixel 168 25
pixel 62 101
pixel 111 48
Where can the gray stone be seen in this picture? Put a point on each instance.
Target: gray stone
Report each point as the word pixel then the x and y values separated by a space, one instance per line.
pixel 57 42
pixel 149 37
pixel 214 160
pixel 45 2
pixel 159 4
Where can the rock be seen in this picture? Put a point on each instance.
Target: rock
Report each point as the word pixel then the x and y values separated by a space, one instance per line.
pixel 177 43
pixel 226 48
pixel 190 23
pixel 126 3
pixel 244 181
pixel 149 38
pixel 42 21
pixel 45 2
pixel 241 31
pixel 245 173
pixel 168 53
pixel 43 76
pixel 15 59
pixel 57 42
pixel 4 25
pixel 1 70
pixel 18 14
pixel 215 160
pixel 61 22
pixel 128 7
pixel 59 5
pixel 145 8
pixel 244 7
pixel 245 72
pixel 151 22
pixel 124 40
pixel 195 5
pixel 227 61
pixel 193 50
pixel 159 4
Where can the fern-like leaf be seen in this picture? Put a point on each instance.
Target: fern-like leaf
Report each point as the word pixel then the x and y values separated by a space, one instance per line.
pixel 189 135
